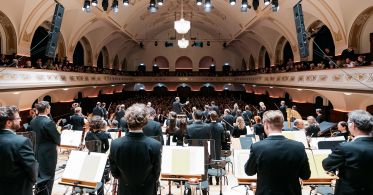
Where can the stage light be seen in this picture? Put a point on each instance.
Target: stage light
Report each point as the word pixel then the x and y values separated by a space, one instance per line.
pixel 160 2
pixel 94 3
pixel 199 2
pixel 152 7
pixel 266 2
pixel 125 2
pixel 232 2
pixel 114 6
pixel 86 6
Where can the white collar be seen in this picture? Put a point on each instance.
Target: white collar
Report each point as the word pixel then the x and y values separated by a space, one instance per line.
pixel 359 136
pixel 274 134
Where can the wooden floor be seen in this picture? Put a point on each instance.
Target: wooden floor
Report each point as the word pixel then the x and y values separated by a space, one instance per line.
pixel 230 189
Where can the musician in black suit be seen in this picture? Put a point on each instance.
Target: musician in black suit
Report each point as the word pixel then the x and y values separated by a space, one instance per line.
pixel 228 118
pixel 18 167
pixel 277 161
pixel 152 128
pixel 98 110
pixel 320 117
pixel 198 129
pixel 77 120
pixel 177 106
pixel 135 159
pixel 217 131
pixel 313 129
pixel 215 107
pixel 354 159
pixel 47 139
pixel 283 109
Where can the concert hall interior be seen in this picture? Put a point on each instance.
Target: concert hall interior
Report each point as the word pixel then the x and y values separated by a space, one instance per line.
pixel 205 70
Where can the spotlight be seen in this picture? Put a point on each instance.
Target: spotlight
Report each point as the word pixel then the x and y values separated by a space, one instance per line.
pixel 86 6
pixel 199 2
pixel 160 2
pixel 244 3
pixel 94 3
pixel 105 4
pixel 232 2
pixel 255 4
pixel 125 2
pixel 114 6
pixel 152 7
pixel 266 2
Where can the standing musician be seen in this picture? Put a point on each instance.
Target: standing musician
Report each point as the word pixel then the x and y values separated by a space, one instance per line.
pixel 262 109
pixel 283 109
pixel 18 166
pixel 135 159
pixel 354 159
pixel 47 139
pixel 277 161
pixel 177 106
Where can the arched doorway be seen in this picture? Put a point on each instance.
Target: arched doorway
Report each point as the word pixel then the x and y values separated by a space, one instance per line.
pixel 78 56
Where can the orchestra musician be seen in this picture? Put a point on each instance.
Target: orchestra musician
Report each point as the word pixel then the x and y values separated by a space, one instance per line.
pixel 177 106
pixel 47 139
pixel 135 159
pixel 18 166
pixel 277 161
pixel 283 109
pixel 353 160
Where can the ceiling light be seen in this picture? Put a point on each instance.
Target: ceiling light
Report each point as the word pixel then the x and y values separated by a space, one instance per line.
pixel 114 6
pixel 232 2
pixel 160 2
pixel 125 2
pixel 182 26
pixel 199 2
pixel 86 6
pixel 183 43
pixel 94 3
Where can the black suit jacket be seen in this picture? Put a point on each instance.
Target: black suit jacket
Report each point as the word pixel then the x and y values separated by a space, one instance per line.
pixel 135 160
pixel 77 122
pixel 153 128
pixel 354 161
pixel 199 130
pixel 18 167
pixel 278 163
pixel 177 107
pixel 217 130
pixel 47 139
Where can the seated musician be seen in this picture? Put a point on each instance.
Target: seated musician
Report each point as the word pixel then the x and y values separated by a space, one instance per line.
pixel 354 159
pixel 277 161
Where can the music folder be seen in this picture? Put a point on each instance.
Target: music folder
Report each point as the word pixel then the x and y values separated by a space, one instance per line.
pixel 182 161
pixel 84 169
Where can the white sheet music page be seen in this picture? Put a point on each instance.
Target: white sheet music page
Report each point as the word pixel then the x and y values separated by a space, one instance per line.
pixel 84 167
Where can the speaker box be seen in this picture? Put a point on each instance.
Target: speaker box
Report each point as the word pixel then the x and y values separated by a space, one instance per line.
pixel 301 31
pixel 55 29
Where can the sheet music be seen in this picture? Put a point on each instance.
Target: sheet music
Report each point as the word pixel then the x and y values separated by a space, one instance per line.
pixel 315 141
pixel 240 158
pixel 71 138
pixel 84 167
pixel 177 160
pixel 299 136
pixel 315 158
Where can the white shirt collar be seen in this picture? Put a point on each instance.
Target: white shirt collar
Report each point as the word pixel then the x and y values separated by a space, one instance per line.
pixel 274 134
pixel 359 136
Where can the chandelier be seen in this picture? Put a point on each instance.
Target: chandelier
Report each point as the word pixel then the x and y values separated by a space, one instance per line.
pixel 183 43
pixel 182 26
